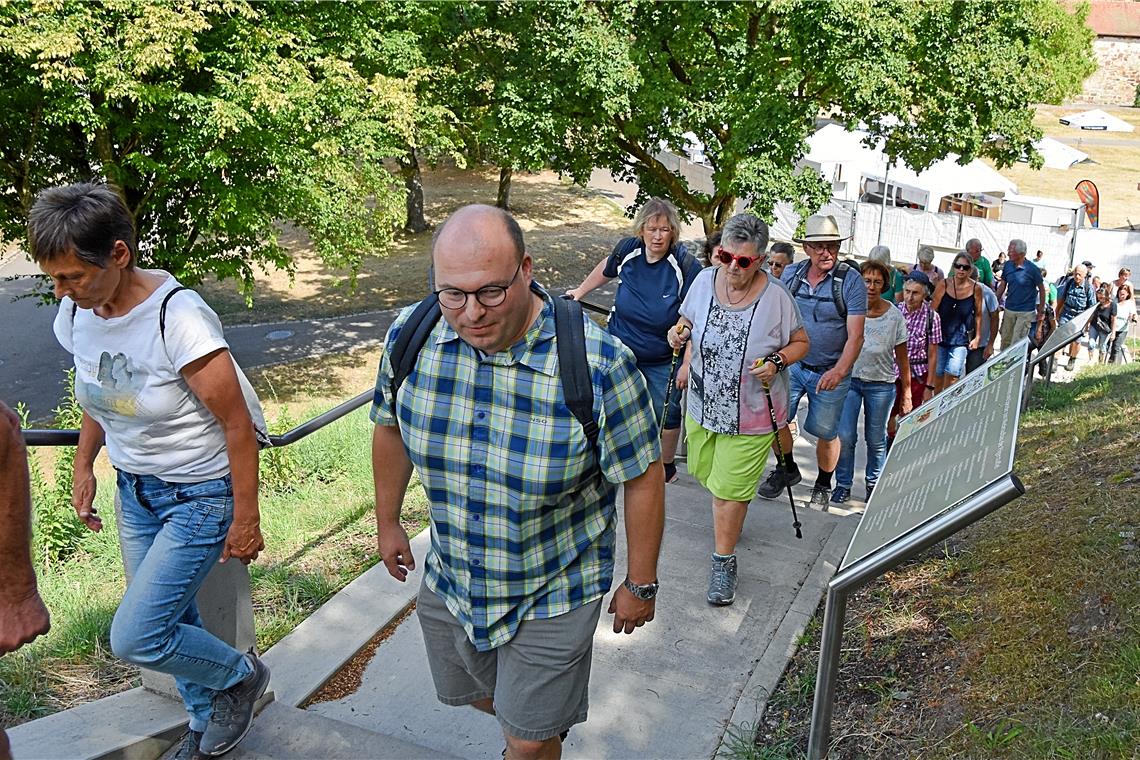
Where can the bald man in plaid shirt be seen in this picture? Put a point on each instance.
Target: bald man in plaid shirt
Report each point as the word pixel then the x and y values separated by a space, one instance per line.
pixel 522 507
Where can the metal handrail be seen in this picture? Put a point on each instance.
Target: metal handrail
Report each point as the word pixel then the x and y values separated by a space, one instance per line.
pixel 48 437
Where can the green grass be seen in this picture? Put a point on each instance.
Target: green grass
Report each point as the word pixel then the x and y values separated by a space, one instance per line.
pixel 320 534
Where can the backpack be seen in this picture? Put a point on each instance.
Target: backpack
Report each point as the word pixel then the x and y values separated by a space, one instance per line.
pixel 1068 282
pixel 837 278
pixel 252 402
pixel 570 334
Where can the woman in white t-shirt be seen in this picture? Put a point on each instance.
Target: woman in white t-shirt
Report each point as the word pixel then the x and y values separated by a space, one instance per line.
pixel 168 405
pixel 745 328
pixel 882 360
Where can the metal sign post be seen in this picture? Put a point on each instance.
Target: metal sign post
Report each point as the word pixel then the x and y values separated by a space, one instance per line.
pixel 951 464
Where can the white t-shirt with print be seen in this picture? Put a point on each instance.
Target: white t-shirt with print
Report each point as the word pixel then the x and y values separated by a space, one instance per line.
pixel 876 361
pixel 129 381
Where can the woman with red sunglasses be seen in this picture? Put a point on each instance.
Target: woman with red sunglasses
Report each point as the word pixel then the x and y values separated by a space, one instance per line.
pixel 745 329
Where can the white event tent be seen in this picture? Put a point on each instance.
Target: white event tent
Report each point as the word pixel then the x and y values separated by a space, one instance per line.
pixel 1057 154
pixel 843 157
pixel 1097 120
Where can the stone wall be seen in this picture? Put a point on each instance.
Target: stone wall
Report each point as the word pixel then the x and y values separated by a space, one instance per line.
pixel 1114 82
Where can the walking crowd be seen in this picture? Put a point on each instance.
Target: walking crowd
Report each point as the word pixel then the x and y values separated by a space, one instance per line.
pixel 522 419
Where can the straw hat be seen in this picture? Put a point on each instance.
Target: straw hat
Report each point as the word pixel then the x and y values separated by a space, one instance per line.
pixel 821 228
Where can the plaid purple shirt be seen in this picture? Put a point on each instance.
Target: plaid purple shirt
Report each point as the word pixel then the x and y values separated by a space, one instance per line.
pixel 917 342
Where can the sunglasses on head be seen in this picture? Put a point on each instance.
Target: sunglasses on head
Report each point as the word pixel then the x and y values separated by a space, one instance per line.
pixel 743 262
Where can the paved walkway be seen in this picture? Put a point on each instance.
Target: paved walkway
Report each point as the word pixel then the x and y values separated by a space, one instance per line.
pixel 670 689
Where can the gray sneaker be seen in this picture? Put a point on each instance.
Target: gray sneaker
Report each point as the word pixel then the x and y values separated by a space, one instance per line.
pixel 233 710
pixel 777 482
pixel 722 581
pixel 819 497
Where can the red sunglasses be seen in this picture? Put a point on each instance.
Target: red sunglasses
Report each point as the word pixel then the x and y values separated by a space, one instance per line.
pixel 743 262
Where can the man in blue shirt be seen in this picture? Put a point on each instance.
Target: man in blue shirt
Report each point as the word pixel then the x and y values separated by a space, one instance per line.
pixel 522 506
pixel 824 375
pixel 1074 296
pixel 1024 291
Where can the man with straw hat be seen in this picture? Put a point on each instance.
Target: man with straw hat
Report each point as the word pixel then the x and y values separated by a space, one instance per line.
pixel 833 303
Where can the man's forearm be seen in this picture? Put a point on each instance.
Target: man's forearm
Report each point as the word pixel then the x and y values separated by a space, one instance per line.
pixel 850 353
pixel 391 472
pixel 645 522
pixel 17 578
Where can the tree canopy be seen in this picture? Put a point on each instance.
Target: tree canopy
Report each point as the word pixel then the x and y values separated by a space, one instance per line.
pixel 217 121
pixel 751 79
pixel 220 120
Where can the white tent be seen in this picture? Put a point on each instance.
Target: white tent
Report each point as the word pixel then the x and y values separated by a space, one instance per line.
pixel 1098 120
pixel 833 146
pixel 1057 155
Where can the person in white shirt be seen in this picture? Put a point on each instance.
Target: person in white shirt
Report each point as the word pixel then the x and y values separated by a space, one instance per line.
pixel 157 385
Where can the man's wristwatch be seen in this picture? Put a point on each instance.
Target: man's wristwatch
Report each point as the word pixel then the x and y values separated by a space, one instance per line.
pixel 645 592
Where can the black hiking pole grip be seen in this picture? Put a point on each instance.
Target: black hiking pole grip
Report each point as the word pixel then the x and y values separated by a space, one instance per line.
pixel 780 454
pixel 672 381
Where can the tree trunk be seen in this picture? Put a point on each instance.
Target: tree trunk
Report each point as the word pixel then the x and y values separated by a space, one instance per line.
pixel 503 200
pixel 414 191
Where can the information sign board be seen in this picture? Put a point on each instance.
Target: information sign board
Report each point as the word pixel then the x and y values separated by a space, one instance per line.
pixel 948 449
pixel 1064 335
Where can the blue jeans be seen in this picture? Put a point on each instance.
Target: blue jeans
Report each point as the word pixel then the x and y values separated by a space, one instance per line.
pixel 171 536
pixel 657 381
pixel 824 408
pixel 876 400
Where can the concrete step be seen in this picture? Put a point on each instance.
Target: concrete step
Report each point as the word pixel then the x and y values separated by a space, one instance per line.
pixel 287 733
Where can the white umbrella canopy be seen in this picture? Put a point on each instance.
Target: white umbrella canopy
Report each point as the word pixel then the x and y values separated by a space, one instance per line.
pixel 1096 120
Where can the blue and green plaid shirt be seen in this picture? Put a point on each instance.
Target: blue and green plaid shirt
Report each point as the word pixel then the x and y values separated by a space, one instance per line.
pixel 522 518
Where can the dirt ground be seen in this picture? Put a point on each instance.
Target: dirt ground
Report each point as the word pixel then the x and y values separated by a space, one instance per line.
pixel 568 230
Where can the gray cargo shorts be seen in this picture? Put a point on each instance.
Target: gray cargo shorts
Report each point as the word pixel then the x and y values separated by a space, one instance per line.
pixel 539 680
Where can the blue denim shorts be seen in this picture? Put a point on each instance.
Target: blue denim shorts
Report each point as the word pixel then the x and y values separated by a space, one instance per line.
pixel 824 407
pixel 657 380
pixel 951 360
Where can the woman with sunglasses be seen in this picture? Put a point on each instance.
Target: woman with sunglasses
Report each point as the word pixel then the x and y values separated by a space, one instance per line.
pixel 745 329
pixel 958 301
pixel 882 360
pixel 656 272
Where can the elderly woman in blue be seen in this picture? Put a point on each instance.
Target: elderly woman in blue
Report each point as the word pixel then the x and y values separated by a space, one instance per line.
pixel 656 272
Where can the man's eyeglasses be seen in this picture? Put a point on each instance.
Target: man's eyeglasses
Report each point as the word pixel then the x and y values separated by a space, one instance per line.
pixel 743 262
pixel 488 295
pixel 963 267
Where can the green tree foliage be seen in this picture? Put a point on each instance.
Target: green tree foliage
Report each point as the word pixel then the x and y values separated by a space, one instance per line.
pixel 615 82
pixel 218 120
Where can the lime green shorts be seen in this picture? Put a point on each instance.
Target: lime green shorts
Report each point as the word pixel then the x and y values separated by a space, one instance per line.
pixel 729 466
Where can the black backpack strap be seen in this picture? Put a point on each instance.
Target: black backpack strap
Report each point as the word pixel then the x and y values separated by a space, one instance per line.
pixel 162 312
pixel 837 279
pixel 573 367
pixel 798 276
pixel 405 349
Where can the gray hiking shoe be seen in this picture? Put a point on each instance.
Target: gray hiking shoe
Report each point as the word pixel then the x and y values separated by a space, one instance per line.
pixel 187 748
pixel 777 482
pixel 722 581
pixel 233 710
pixel 820 496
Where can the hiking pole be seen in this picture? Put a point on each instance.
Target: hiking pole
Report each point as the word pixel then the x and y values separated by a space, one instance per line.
pixel 672 380
pixel 780 452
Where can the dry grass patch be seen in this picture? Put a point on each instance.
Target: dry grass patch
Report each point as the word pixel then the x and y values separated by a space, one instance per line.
pixel 568 230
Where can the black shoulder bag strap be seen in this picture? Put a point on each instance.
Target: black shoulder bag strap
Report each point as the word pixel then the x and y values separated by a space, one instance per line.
pixel 162 313
pixel 573 367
